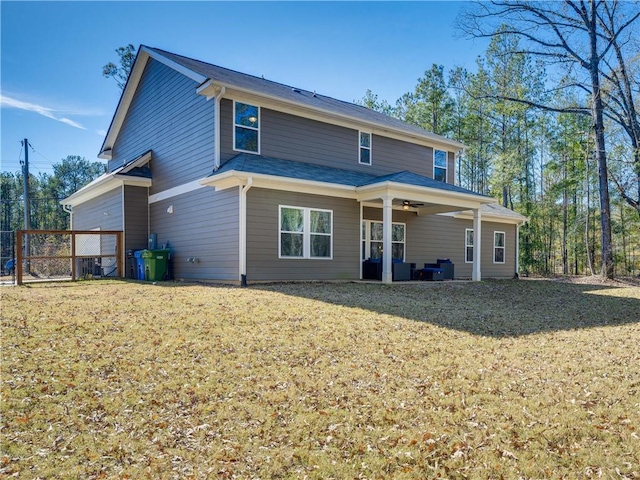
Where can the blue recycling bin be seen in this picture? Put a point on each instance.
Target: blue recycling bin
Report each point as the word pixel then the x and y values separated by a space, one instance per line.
pixel 140 270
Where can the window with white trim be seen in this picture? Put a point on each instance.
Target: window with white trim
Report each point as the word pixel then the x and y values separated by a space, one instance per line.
pixel 372 240
pixel 440 165
pixel 468 245
pixel 498 247
pixel 305 233
pixel 365 148
pixel 246 127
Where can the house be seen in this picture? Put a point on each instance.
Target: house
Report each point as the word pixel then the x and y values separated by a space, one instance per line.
pixel 248 178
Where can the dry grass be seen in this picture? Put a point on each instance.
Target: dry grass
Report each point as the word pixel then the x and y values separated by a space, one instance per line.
pixel 514 379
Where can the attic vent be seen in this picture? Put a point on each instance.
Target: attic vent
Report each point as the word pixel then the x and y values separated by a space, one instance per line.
pixel 297 90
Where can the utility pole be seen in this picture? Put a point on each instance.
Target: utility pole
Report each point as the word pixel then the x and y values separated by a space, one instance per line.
pixel 25 195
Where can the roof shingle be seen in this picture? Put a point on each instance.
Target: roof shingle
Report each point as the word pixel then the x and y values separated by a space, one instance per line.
pixel 299 96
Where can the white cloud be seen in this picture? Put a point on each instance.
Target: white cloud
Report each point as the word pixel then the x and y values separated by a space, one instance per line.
pixel 9 102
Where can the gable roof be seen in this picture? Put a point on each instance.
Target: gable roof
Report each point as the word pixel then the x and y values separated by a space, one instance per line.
pixel 134 172
pixel 304 101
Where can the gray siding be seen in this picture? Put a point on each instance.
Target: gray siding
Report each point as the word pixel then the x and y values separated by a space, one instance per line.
pixel 136 217
pixel 263 232
pixel 300 139
pixel 168 117
pixel 204 225
pixel 435 236
pixel 103 212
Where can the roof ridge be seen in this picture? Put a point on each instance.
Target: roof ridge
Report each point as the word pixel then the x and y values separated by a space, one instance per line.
pixel 311 92
pixel 243 73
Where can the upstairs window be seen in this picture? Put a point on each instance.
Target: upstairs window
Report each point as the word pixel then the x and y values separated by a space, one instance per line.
pixel 365 148
pixel 498 247
pixel 440 165
pixel 246 131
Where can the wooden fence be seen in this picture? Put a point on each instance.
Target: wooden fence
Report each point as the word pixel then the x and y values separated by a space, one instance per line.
pixel 74 254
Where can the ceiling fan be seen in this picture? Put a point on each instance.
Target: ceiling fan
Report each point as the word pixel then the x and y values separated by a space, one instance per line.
pixel 406 204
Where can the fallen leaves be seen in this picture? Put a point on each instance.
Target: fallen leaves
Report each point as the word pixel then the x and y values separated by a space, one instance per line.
pixel 318 380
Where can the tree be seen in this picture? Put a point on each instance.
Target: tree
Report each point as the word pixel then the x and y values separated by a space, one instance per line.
pixel 570 34
pixel 430 105
pixel 72 173
pixel 370 100
pixel 121 73
pixel 621 99
pixel 46 191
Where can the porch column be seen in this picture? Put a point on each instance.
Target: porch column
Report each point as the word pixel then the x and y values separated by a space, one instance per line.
pixel 387 253
pixel 477 250
pixel 360 239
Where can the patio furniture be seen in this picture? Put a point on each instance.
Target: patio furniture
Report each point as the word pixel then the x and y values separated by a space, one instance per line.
pixel 401 271
pixel 445 265
pixel 431 274
pixel 372 270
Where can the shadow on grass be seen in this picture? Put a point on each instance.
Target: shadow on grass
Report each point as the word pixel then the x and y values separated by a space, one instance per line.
pixel 508 308
pixel 505 308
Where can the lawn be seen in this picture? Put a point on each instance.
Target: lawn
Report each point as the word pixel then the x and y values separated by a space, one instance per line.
pixel 499 379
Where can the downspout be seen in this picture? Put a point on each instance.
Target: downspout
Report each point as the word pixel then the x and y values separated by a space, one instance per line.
pixel 69 210
pixel 216 139
pixel 243 231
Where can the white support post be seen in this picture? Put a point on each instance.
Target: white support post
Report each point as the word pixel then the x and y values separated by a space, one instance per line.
pixel 517 274
pixel 477 247
pixel 387 251
pixel 360 239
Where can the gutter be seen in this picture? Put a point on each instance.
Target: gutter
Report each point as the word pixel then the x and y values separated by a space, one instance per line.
pixel 69 209
pixel 428 137
pixel 216 140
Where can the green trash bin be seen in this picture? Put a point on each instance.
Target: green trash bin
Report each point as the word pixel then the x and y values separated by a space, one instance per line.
pixel 156 264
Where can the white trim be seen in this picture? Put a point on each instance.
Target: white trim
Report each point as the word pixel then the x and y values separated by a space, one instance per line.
pixel 175 191
pixel 176 66
pixel 306 233
pixel 237 125
pixel 446 164
pixel 138 162
pixel 280 104
pixel 517 250
pixel 217 129
pixel 360 147
pixel 466 245
pixel 243 228
pixel 129 91
pixel 503 247
pixel 367 240
pixel 360 242
pixel 286 106
pixel 423 194
pixel 387 218
pixel 476 275
pixel 233 178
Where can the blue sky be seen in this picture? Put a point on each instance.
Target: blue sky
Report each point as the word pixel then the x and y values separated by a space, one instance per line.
pixel 53 92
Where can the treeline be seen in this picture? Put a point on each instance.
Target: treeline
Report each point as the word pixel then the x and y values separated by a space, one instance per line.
pixel 45 193
pixel 537 163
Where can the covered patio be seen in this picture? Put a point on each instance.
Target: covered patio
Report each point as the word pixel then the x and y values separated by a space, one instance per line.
pixel 401 191
pixel 424 196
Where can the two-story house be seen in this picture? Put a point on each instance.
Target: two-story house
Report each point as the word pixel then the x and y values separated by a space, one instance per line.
pixel 245 177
